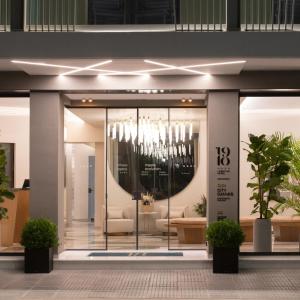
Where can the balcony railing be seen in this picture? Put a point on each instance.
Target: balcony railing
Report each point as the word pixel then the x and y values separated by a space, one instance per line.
pixel 201 15
pixel 4 15
pixel 269 15
pixel 149 15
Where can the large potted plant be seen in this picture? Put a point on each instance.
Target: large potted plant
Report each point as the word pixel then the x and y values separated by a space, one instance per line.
pixel 5 192
pixel 39 237
pixel 225 237
pixel 292 181
pixel 269 158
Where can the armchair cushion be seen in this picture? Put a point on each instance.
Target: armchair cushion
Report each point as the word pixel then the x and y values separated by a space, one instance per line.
pixel 115 214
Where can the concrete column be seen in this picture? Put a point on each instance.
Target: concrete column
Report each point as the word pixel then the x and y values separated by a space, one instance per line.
pixel 47 158
pixel 223 156
pixel 233 15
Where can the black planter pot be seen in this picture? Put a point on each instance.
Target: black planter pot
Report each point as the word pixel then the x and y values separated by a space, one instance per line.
pixel 38 260
pixel 225 260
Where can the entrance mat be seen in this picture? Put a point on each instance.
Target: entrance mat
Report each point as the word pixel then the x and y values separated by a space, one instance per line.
pixel 153 254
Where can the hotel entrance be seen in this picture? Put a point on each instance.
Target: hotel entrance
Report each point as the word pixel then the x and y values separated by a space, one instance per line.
pixel 135 178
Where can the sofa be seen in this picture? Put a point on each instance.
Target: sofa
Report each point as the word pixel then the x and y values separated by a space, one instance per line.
pixel 119 221
pixel 175 213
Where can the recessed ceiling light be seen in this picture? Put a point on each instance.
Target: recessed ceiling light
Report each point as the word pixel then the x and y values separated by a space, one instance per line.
pixel 162 91
pixel 183 100
pixel 190 100
pixel 83 100
pixel 90 100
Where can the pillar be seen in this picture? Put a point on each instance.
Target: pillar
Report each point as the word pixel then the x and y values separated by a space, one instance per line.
pixel 223 156
pixel 47 158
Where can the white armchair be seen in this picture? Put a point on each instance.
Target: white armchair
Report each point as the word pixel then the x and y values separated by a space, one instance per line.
pixel 175 212
pixel 119 220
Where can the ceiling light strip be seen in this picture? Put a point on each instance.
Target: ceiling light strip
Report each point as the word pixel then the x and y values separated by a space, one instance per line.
pixel 217 64
pixel 87 68
pixel 175 67
pixel 42 64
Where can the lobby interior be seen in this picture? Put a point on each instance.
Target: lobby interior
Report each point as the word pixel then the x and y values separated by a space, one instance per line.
pixel 136 176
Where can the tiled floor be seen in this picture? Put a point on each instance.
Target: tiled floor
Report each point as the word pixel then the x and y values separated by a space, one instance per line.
pixel 151 284
pixel 83 235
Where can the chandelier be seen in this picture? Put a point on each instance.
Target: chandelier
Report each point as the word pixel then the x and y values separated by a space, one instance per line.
pixel 154 138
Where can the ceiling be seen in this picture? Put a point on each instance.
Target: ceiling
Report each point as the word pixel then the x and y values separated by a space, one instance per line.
pixel 131 66
pixel 97 116
pixel 123 66
pixel 138 95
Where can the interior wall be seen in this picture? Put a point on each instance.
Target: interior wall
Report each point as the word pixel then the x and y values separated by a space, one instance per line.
pixel 15 129
pixel 264 116
pixel 83 139
pixel 80 168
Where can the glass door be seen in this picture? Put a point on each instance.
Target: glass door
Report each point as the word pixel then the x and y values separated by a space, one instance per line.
pixel 155 178
pixel 121 220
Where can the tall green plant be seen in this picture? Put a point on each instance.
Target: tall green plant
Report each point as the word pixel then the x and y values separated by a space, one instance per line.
pixel 4 189
pixel 292 181
pixel 269 158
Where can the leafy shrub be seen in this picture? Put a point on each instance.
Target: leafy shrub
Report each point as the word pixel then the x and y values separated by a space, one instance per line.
pixel 39 234
pixel 5 193
pixel 225 234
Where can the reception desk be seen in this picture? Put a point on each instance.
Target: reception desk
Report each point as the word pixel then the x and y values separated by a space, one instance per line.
pixel 18 214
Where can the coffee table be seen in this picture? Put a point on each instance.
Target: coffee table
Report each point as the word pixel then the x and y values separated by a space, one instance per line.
pixel 190 230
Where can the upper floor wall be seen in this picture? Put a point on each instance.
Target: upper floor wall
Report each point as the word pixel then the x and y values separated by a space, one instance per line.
pixel 149 15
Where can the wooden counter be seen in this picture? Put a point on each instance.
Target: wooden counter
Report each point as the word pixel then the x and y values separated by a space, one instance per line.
pixel 18 214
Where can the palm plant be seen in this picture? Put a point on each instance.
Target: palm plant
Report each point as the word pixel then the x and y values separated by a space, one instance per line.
pixel 269 158
pixel 4 190
pixel 292 182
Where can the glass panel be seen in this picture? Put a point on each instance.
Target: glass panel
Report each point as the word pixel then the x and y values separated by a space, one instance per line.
pixel 121 178
pixel 14 152
pixel 275 117
pixel 153 178
pixel 84 174
pixel 187 208
pixel 130 12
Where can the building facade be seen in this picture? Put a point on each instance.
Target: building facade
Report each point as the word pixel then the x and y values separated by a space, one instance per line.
pixel 131 118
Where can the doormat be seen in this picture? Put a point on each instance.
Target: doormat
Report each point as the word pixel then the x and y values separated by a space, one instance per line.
pixel 153 254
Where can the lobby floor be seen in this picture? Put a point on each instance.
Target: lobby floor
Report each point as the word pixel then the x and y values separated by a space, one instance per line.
pixel 151 284
pixel 83 235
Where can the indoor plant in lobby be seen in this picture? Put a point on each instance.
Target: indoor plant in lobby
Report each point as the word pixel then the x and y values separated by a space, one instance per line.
pixel 225 237
pixel 269 158
pixel 39 237
pixel 5 192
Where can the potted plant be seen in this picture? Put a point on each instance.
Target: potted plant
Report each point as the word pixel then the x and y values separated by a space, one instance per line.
pixel 39 237
pixel 200 207
pixel 269 158
pixel 5 193
pixel 292 181
pixel 225 237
